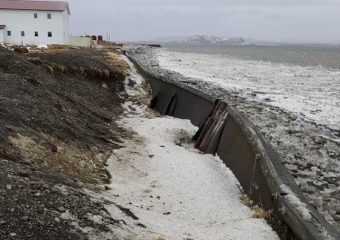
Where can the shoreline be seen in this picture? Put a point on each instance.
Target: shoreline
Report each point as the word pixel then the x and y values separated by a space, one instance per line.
pixel 298 142
pixel 300 90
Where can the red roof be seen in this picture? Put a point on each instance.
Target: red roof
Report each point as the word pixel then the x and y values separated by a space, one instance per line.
pixel 34 5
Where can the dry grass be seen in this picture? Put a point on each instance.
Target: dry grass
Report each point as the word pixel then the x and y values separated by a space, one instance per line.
pixel 262 213
pixel 58 46
pixel 57 69
pixel 257 212
pixel 54 154
pixel 158 238
pixel 115 59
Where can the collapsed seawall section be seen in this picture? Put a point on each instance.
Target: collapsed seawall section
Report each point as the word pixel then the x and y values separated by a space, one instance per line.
pixel 236 141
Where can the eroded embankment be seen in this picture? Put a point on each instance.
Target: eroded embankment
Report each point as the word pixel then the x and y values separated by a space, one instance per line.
pixel 57 129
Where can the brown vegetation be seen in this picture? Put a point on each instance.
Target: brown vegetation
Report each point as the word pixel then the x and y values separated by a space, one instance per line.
pixel 262 213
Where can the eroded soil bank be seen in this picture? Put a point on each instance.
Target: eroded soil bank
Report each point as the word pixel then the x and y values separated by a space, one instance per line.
pixel 57 130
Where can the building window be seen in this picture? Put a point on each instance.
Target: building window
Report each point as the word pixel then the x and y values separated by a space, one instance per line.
pixel 36 34
pixel 49 16
pixel 23 33
pixel 49 34
pixel 35 15
pixel 9 33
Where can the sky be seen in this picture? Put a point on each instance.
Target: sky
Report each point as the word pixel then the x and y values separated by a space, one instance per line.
pixel 295 21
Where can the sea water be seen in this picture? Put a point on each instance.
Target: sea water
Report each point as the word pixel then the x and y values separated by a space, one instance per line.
pixel 301 79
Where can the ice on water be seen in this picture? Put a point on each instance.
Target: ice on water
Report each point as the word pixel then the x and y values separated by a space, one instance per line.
pixel 312 91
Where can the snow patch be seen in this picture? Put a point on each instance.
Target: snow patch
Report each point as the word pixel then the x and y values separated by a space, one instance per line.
pixel 176 192
pixel 67 216
pixel 296 202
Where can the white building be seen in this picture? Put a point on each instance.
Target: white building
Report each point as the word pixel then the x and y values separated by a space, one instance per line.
pixel 34 22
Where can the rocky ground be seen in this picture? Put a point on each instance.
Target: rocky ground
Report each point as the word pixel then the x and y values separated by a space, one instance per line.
pixel 57 130
pixel 310 151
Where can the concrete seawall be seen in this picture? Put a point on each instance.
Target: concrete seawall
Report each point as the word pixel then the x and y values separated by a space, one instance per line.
pixel 254 162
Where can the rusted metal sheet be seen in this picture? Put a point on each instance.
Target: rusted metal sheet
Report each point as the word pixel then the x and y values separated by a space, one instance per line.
pixel 208 136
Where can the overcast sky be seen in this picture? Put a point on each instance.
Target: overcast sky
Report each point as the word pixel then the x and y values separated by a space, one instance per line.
pixel 312 21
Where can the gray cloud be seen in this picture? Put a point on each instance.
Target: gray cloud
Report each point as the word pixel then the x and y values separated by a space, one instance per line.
pixel 280 20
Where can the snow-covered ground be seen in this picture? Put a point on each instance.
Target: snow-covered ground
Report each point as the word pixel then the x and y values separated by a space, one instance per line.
pixel 176 191
pixel 311 91
pixel 170 190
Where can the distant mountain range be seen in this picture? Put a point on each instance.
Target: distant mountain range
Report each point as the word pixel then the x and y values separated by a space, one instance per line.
pixel 209 40
pixel 212 40
pixel 222 41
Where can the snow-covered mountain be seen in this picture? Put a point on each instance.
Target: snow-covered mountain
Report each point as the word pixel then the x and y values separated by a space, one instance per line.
pixel 210 40
pixel 205 40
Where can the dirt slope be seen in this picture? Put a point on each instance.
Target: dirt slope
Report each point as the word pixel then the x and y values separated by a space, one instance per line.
pixel 57 129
